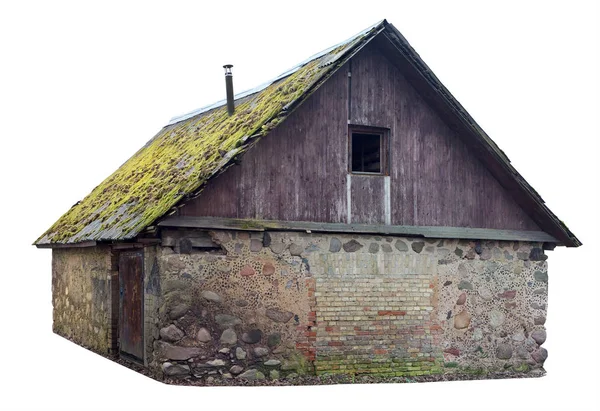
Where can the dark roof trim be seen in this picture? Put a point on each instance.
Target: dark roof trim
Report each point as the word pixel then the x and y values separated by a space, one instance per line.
pixel 435 93
pixel 415 231
pixel 82 244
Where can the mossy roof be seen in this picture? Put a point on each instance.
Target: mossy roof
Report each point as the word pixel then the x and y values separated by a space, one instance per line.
pixel 178 161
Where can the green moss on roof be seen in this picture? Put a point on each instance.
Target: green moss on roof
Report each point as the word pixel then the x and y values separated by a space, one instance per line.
pixel 178 161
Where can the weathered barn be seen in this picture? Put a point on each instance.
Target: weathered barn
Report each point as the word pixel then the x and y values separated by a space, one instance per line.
pixel 347 217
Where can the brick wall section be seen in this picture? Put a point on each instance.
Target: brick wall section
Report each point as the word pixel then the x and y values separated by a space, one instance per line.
pixel 374 314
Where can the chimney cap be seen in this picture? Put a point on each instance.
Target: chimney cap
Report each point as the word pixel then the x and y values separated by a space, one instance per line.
pixel 226 66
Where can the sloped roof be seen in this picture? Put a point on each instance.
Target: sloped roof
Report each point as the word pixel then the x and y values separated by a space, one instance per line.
pixel 179 160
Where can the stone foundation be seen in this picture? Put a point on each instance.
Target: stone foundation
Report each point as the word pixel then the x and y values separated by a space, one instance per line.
pixel 232 305
pixel 282 304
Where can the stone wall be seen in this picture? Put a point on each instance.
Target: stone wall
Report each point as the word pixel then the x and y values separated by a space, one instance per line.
pixel 240 311
pixel 81 284
pixel 280 304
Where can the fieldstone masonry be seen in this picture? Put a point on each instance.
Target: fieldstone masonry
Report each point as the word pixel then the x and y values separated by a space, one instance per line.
pixel 280 304
pixel 81 296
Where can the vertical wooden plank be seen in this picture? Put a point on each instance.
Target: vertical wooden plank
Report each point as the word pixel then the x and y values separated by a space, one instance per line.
pixel 367 194
pixel 131 278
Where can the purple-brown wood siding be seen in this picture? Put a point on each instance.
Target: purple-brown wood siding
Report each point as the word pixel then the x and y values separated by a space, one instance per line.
pixel 298 172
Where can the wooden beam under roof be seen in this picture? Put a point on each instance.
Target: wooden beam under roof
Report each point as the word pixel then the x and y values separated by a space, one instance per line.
pixel 465 233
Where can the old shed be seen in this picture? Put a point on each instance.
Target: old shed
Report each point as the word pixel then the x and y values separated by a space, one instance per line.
pixel 347 217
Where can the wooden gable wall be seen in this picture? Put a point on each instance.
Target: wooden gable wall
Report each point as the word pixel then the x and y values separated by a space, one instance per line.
pixel 299 172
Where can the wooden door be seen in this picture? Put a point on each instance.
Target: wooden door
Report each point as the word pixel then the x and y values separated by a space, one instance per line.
pixel 131 279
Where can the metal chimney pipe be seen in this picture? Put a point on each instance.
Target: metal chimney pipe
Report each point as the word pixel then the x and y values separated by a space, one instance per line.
pixel 229 88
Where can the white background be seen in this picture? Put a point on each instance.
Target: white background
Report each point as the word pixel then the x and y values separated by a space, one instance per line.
pixel 83 85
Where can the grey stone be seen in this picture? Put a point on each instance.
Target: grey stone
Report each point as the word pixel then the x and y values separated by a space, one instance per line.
pixel 203 335
pixel 240 353
pixel 227 376
pixel 171 333
pixel 175 370
pixel 539 336
pixel 485 294
pixel 458 252
pixel 228 337
pixel 224 350
pixel 504 351
pixel 522 353
pixel 255 245
pixel 210 380
pixel 178 311
pixel 486 254
pixel 461 299
pixel 291 376
pixel 373 248
pixel 465 285
pixel 252 336
pixel 537 306
pixel 296 249
pixel 541 320
pixel 540 355
pixel 261 351
pixel 274 374
pixel 277 247
pixel 335 245
pixel 312 248
pixel 541 276
pixel 497 318
pixel 279 316
pixel 272 362
pixel 522 256
pixel 266 239
pixel 211 296
pixel 401 245
pixel 537 254
pixel 216 363
pixel 227 321
pixel 176 353
pixel 386 248
pixel 274 339
pixel 236 369
pixel 417 246
pixel 239 247
pixel 352 246
pixel 252 375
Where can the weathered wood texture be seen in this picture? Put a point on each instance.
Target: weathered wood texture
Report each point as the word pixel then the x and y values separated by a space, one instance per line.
pixel 413 231
pixel 298 172
pixel 367 199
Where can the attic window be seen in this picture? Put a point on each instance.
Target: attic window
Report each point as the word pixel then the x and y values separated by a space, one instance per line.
pixel 368 150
